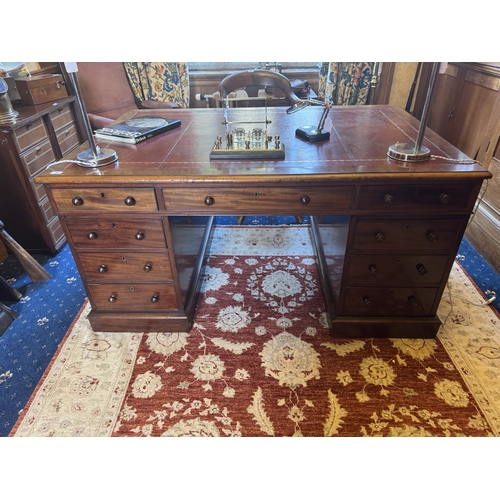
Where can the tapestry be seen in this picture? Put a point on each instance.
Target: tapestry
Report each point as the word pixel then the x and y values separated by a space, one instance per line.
pixel 260 361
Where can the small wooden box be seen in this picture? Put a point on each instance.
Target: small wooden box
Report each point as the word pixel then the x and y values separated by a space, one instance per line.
pixel 40 89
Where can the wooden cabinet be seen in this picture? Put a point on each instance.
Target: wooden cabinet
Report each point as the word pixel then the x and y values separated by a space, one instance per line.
pixel 41 135
pixel 465 110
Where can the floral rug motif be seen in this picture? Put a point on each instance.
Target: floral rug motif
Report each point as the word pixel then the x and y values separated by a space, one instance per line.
pixel 259 361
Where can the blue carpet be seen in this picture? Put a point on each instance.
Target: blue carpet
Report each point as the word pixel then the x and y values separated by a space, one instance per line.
pixel 47 309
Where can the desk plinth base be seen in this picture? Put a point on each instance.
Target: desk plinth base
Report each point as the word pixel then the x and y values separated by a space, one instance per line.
pixel 410 328
pixel 137 322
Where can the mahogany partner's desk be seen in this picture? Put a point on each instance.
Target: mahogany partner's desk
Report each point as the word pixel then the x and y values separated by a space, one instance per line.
pixel 386 233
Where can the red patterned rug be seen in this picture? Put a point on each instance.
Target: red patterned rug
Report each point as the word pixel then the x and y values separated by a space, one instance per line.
pixel 259 361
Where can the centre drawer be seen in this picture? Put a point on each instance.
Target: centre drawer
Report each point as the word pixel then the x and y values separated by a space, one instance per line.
pixel 133 297
pixel 278 200
pixel 406 234
pixel 134 266
pixel 104 199
pixel 116 233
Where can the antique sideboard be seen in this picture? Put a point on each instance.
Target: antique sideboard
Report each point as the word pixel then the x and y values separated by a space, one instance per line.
pixel 386 232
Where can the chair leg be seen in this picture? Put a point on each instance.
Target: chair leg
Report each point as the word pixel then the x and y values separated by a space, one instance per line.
pixel 240 219
pixel 299 219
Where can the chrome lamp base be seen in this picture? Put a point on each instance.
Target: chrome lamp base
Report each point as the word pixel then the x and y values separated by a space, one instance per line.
pixel 408 152
pixel 87 158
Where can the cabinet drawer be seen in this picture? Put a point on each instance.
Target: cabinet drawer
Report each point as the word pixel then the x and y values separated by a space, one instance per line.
pixel 288 200
pixel 62 117
pixel 68 139
pixel 56 231
pixel 380 301
pixel 38 157
pixel 396 269
pixel 432 197
pixel 47 212
pixel 117 233
pixel 31 134
pixel 105 200
pixel 408 234
pixel 120 266
pixel 133 297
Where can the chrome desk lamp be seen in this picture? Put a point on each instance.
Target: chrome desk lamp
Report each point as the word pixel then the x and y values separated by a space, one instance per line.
pixel 95 156
pixel 414 151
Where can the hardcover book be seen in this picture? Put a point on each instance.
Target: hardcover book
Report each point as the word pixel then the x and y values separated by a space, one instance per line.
pixel 136 129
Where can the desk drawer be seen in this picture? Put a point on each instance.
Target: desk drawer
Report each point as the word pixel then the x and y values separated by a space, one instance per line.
pixel 433 197
pixel 117 233
pixel 105 200
pixel 408 234
pixel 276 200
pixel 380 301
pixel 396 269
pixel 120 266
pixel 133 297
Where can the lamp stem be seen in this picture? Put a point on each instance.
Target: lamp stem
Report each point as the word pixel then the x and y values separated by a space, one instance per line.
pixel 95 156
pixel 425 112
pixel 83 111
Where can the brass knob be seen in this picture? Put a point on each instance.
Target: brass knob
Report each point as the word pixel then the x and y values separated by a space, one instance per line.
pixel 209 201
pixel 366 301
pixel 92 236
pixel 388 198
pixel 155 298
pixel 77 201
pixel 380 237
pixel 305 200
pixel 413 301
pixel 445 198
pixel 373 269
pixel 421 269
pixel 147 268
pixel 140 236
pixel 103 268
pixel 112 298
pixel 432 236
pixel 130 201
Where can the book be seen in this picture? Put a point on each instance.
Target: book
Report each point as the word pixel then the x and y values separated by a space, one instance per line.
pixel 136 129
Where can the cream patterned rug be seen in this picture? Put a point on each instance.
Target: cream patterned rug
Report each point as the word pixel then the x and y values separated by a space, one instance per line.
pixel 259 362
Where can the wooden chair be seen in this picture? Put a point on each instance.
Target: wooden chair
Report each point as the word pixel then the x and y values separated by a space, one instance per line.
pixel 107 94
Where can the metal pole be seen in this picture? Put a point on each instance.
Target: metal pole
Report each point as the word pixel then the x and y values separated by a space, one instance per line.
pixel 423 120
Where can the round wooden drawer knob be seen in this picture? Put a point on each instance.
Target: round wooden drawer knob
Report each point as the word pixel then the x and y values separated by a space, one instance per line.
pixel 413 301
pixel 147 268
pixel 432 236
pixel 445 198
pixel 112 298
pixel 421 269
pixel 103 268
pixel 77 201
pixel 305 200
pixel 92 236
pixel 388 198
pixel 366 301
pixel 130 201
pixel 155 298
pixel 209 201
pixel 373 269
pixel 140 236
pixel 380 237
